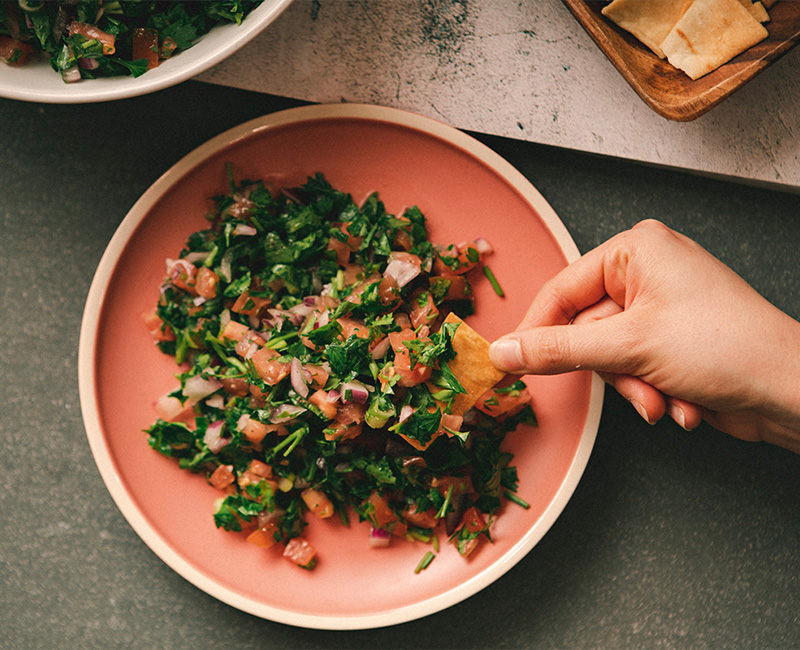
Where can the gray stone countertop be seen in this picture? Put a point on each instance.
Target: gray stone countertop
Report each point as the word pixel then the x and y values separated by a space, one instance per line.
pixel 672 539
pixel 524 70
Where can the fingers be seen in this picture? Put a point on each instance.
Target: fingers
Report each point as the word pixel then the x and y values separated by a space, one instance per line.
pixel 602 345
pixel 576 288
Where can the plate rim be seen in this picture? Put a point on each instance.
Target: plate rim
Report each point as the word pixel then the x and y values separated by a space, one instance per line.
pixel 87 357
pixel 115 88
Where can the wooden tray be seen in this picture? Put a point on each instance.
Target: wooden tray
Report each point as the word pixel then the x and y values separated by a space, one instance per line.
pixel 667 90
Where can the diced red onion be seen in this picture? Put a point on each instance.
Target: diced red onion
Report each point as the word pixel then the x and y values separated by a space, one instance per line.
pixel 216 401
pixel 378 538
pixel 198 300
pixel 323 319
pixel 225 268
pixel 71 75
pixel 197 257
pixel 405 413
pixel 333 396
pixel 380 350
pixel 88 64
pixel 213 436
pixel 483 246
pixel 285 413
pixel 169 408
pixel 353 391
pixel 300 312
pixel 198 387
pixel 176 267
pixel 402 269
pixel 311 301
pixel 243 229
pixel 298 376
pixel 241 423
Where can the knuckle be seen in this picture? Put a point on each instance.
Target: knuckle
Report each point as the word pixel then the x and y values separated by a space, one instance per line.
pixel 552 349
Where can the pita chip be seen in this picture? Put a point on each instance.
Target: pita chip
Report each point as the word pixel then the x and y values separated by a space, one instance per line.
pixel 709 34
pixel 648 20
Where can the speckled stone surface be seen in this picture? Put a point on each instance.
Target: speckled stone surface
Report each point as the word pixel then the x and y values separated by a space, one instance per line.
pixel 672 539
pixel 520 69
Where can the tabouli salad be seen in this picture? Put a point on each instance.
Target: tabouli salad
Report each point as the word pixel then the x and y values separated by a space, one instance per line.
pixel 85 39
pixel 326 369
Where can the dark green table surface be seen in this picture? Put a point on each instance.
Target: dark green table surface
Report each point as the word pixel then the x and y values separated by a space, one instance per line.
pixel 672 539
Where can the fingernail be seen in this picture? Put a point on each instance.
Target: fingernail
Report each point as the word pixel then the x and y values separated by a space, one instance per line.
pixel 641 411
pixel 677 414
pixel 506 354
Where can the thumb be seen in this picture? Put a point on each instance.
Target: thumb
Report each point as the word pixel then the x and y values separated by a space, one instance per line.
pixel 562 348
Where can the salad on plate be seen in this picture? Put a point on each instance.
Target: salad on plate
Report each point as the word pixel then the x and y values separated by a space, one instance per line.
pixel 326 369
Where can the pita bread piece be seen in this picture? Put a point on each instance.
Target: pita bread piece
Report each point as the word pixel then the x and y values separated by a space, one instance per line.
pixel 709 34
pixel 648 20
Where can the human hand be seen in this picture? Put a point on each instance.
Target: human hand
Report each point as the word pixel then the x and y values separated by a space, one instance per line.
pixel 673 329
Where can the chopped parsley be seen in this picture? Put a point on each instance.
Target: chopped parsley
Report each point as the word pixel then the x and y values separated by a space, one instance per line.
pixel 315 364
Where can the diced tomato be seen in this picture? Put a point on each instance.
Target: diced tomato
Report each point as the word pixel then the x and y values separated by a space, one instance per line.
pixel 236 386
pixel 144 44
pixel 351 326
pixel 14 52
pixel 402 360
pixel 402 239
pixel 256 431
pixel 352 273
pixel 502 405
pixel 450 422
pixel 157 328
pixel 90 32
pixel 399 528
pixel 317 375
pixel 222 477
pixel 168 46
pixel 264 536
pixel 256 472
pixel 424 310
pixel 234 331
pixel 353 242
pixel 381 513
pixel 459 260
pixel 423 519
pixel 342 431
pixel 351 413
pixel 206 283
pixel 341 249
pixel 300 552
pixel 268 367
pixel 460 485
pixel 473 520
pixel 320 400
pixel 455 289
pixel 259 468
pixel 249 305
pixel 317 502
pixel 248 345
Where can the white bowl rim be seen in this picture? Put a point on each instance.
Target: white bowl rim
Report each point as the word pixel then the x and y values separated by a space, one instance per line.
pixel 38 82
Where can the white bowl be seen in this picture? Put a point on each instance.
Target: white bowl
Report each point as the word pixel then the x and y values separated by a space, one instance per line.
pixel 36 81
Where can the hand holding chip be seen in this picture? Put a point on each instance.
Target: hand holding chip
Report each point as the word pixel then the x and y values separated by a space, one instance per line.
pixel 673 329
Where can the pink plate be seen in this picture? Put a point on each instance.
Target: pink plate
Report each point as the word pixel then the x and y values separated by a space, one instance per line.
pixel 466 191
